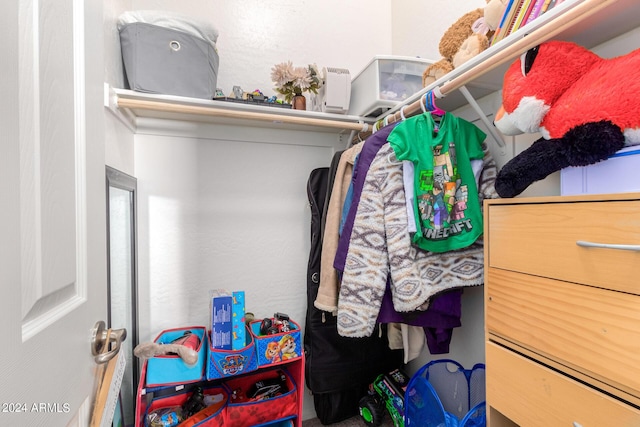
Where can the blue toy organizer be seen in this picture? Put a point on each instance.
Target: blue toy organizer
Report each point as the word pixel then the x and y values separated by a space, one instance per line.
pixel 444 394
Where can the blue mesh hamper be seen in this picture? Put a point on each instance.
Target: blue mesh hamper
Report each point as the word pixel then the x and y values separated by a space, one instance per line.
pixel 444 394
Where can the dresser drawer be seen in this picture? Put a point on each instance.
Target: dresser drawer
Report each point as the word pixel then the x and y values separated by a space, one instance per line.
pixel 541 239
pixel 595 331
pixel 531 394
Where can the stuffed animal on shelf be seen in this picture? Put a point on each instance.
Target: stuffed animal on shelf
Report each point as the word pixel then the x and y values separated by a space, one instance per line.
pixel 586 108
pixel 465 38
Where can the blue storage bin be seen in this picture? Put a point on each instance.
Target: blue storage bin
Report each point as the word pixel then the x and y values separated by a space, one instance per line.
pixel 170 369
pixel 443 393
pixel 277 348
pixel 226 363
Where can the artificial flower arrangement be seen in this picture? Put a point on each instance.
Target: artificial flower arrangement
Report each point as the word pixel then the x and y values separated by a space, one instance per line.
pixel 291 81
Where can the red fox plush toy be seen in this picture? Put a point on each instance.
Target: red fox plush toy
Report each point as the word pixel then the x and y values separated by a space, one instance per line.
pixel 586 108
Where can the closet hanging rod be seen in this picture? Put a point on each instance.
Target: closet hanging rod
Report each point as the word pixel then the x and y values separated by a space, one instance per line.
pixel 169 107
pixel 541 34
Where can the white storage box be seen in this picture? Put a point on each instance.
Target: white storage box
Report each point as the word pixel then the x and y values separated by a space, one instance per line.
pixel 168 54
pixel 385 82
pixel 617 174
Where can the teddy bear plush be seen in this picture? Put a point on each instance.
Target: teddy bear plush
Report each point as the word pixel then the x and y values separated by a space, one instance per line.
pixel 585 107
pixel 466 38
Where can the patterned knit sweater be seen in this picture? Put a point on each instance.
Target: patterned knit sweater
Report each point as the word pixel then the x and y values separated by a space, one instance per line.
pixel 380 246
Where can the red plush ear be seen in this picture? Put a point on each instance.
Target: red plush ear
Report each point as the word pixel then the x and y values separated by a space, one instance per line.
pixel 556 66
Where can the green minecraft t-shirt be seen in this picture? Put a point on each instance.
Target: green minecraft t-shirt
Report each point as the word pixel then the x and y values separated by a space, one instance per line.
pixel 446 204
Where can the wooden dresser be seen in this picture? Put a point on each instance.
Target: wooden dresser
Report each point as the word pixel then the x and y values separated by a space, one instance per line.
pixel 562 311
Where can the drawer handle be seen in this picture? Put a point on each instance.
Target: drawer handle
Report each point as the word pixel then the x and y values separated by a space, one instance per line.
pixel 608 246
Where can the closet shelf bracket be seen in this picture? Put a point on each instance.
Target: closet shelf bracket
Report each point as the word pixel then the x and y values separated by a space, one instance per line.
pixel 483 117
pixel 122 114
pixel 365 129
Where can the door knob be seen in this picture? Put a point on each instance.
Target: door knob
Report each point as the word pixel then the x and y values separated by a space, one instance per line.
pixel 102 339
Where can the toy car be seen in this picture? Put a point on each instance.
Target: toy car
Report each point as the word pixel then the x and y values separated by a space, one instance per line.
pixel 278 323
pixel 387 391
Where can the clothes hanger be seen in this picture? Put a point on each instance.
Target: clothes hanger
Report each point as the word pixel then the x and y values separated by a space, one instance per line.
pixel 376 126
pixel 430 103
pixel 430 106
pixel 385 121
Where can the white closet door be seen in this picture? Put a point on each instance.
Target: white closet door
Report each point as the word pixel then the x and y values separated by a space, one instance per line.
pixel 52 220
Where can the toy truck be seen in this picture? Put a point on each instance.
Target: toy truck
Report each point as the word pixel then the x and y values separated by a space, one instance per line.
pixel 386 392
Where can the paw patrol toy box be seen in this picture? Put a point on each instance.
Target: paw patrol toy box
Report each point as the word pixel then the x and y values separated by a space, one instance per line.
pixel 227 363
pixel 277 339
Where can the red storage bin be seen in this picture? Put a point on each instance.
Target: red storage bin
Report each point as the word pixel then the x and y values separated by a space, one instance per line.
pixel 215 417
pixel 245 412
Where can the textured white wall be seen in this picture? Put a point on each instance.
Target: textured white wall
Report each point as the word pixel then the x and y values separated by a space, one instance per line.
pixel 257 34
pixel 225 208
pixel 228 209
pixel 118 139
pixel 418 25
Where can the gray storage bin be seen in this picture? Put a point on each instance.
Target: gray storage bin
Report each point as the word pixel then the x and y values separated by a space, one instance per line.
pixel 167 61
